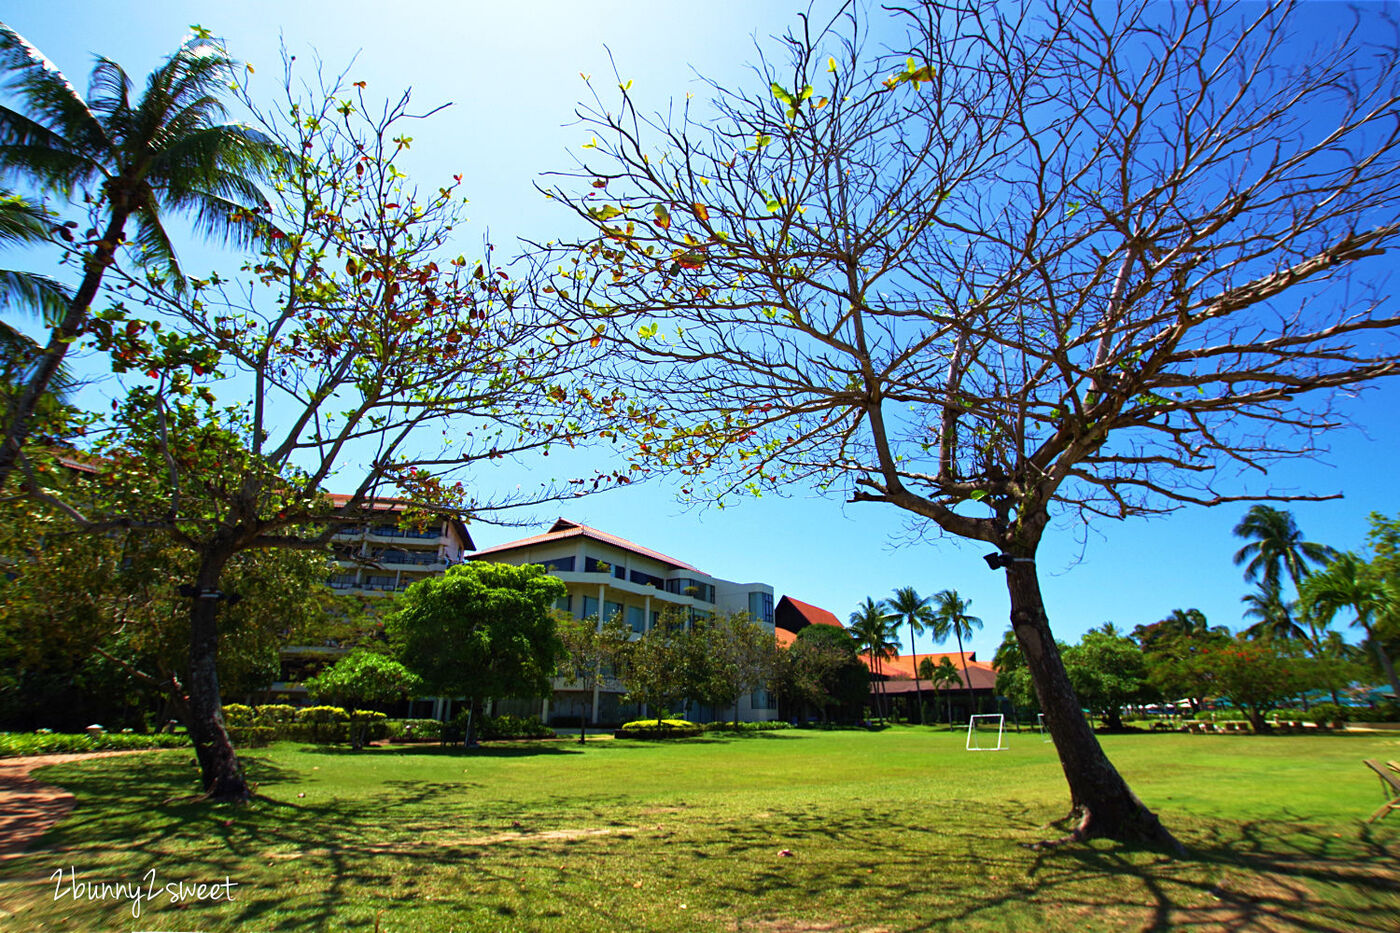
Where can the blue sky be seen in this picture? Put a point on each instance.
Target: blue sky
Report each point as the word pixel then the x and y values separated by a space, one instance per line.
pixel 512 73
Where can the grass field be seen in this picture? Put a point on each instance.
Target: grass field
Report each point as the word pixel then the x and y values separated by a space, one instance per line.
pixel 893 831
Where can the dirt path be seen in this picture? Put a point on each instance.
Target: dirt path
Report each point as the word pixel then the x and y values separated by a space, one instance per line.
pixel 29 808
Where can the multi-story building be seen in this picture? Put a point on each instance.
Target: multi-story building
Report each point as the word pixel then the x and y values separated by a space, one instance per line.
pixel 608 576
pixel 376 557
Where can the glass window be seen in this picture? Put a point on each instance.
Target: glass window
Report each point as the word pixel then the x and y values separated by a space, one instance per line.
pixel 636 619
pixel 611 610
pixel 561 564
pixel 761 607
pixel 565 604
pixel 590 606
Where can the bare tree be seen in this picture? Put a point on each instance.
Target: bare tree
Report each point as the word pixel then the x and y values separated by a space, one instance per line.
pixel 1060 260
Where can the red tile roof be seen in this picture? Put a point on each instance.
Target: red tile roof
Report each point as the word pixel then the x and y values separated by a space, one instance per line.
pixel 564 529
pixel 900 678
pixel 813 615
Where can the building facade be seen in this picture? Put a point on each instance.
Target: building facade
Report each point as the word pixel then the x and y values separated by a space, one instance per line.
pixel 608 576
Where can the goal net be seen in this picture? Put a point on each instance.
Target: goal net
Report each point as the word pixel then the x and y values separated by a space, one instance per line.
pixel 986 732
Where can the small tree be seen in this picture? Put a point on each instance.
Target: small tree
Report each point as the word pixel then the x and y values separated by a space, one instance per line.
pixel 1108 672
pixel 362 679
pixel 480 630
pixel 654 669
pixel 1255 676
pixel 591 653
pixel 734 655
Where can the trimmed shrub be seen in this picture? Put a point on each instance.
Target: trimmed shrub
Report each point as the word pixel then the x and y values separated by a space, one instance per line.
pixel 514 727
pixel 746 726
pixel 319 714
pixel 413 730
pixel 20 744
pixel 658 729
pixel 251 736
pixel 274 714
pixel 237 714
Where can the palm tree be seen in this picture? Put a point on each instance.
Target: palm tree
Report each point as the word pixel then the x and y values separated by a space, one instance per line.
pixel 1275 544
pixel 911 608
pixel 1274 614
pixel 951 618
pixel 945 675
pixel 875 632
pixel 1348 582
pixel 23 223
pixel 132 160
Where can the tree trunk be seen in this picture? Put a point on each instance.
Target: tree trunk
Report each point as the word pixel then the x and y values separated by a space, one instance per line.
pixel 582 727
pixel 21 414
pixel 1099 797
pixel 218 763
pixel 918 688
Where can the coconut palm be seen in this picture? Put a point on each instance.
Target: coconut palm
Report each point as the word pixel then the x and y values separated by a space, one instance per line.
pixel 950 618
pixel 21 224
pixel 876 633
pixel 1348 582
pixel 132 160
pixel 913 610
pixel 1275 544
pixel 945 676
pixel 1273 613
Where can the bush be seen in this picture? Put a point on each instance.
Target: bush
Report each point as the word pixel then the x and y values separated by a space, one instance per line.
pixel 514 727
pixel 413 730
pixel 274 714
pixel 251 736
pixel 1389 712
pixel 1326 713
pixel 746 726
pixel 18 744
pixel 658 729
pixel 237 714
pixel 1292 714
pixel 320 714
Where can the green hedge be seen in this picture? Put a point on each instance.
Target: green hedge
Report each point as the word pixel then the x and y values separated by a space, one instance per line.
pixel 19 744
pixel 746 726
pixel 658 729
pixel 414 730
pixel 251 736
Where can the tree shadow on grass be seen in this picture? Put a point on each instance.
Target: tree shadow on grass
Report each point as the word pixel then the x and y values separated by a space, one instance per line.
pixel 515 749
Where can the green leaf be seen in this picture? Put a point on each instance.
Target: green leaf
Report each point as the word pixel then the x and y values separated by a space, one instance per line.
pixel 977 495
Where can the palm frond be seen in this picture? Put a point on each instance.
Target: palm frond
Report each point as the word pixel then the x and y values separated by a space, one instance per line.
pixel 109 89
pixel 29 76
pixel 30 291
pixel 154 245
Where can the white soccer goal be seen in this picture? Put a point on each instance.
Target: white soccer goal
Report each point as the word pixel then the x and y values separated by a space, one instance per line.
pixel 1040 727
pixel 979 733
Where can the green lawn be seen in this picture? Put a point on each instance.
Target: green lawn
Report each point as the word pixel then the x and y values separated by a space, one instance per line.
pixel 893 831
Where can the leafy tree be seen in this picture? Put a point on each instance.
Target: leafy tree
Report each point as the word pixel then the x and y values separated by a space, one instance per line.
pixel 914 611
pixel 822 668
pixel 734 655
pixel 355 333
pixel 876 632
pixel 1348 582
pixel 1108 672
pixel 131 161
pixel 950 618
pixel 480 630
pixel 362 679
pixel 976 280
pixel 654 668
pixel 1170 644
pixel 592 650
pixel 1256 676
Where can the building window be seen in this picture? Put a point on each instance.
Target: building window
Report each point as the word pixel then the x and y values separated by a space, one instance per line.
pixel 611 610
pixel 590 607
pixel 648 579
pixel 636 619
pixel 565 604
pixel 761 607
pixel 560 564
pixel 760 700
pixel 686 586
pixel 594 565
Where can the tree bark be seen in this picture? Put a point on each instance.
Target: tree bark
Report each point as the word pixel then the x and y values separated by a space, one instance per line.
pixel 1387 665
pixel 1099 797
pixel 218 763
